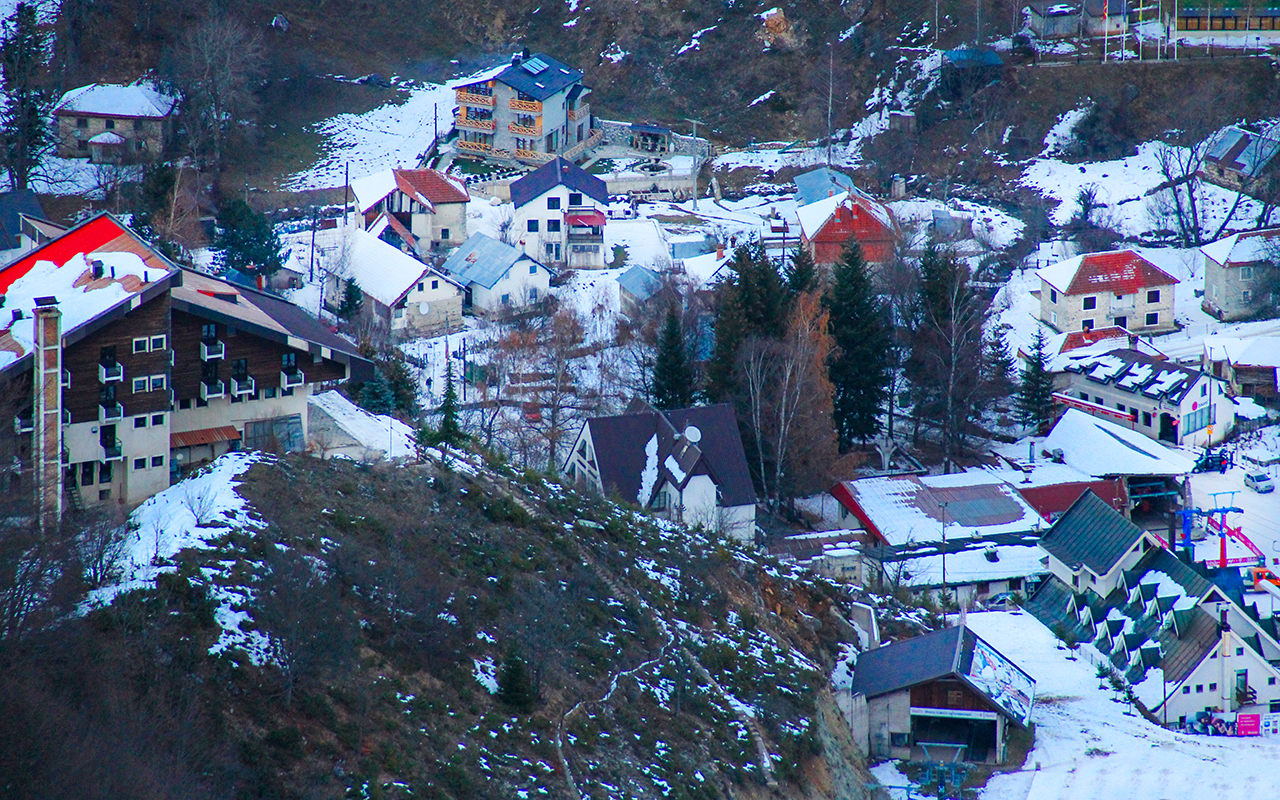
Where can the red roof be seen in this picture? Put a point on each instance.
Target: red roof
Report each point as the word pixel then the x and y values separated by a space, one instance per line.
pixel 1076 339
pixel 1119 271
pixel 101 233
pixel 1052 501
pixel 431 184
pixel 222 433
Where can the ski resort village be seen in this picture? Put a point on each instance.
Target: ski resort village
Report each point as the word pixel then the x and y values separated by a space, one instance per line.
pixel 600 400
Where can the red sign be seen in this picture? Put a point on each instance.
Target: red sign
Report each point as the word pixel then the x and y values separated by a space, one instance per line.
pixel 1248 725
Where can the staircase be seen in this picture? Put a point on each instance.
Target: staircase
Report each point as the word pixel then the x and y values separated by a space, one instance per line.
pixel 75 502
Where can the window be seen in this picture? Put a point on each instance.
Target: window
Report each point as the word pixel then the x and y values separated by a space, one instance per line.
pixel 1153 318
pixel 104 471
pixel 533 269
pixel 1090 303
pixel 1153 296
pixel 1274 706
pixel 955 698
pixel 899 739
pixel 435 284
pixel 1053 295
pixel 1246 273
pixel 139 385
pixel 421 286
pixel 553 226
pixel 575 198
pixel 208 333
pixel 139 463
pixel 1120 407
pixel 288 362
pixel 553 203
pixel 140 345
pixel 1086 324
pixel 139 422
pixel 1271 681
pixel 1213 687
pixel 157 461
pixel 270 392
pixel 1015 584
pixel 1204 390
pixel 1199 688
pixel 1146 418
pixel 533 226
pixel 1186 690
pixel 533 294
pixel 81 122
pixel 103 494
pixel 1084 396
pixel 158 343
pixel 1246 296
pixel 158 383
pixel 1197 420
pixel 157 419
pixel 107 355
pixel 399 312
pixel 287 392
pixel 983 588
pixel 444 233
pixel 111 124
pixel 1239 651
pixel 1053 317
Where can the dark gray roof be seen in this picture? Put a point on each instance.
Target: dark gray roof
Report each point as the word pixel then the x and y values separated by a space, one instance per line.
pixel 12 206
pixel 545 82
pixel 1137 373
pixel 1161 560
pixel 553 173
pixel 909 662
pixel 1091 533
pixel 620 450
pixel 1187 643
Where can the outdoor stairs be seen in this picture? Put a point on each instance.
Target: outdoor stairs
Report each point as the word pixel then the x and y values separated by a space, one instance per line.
pixel 74 501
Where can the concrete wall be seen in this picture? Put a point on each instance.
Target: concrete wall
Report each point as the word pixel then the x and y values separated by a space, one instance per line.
pixel 1225 287
pixel 147 141
pixel 1067 312
pixel 886 715
pixel 516 287
pixel 130 484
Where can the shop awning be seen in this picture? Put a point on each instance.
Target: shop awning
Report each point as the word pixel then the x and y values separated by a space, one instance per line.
pixel 222 433
pixel 590 219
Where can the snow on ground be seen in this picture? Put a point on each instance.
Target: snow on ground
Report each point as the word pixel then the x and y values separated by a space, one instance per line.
pixel 1087 747
pixel 643 240
pixel 1063 130
pixel 191 514
pixel 992 227
pixel 1122 186
pixel 1015 306
pixel 594 295
pixel 376 432
pixel 1261 518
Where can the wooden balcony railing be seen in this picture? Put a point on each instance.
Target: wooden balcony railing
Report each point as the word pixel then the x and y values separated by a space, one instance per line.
pixel 531 106
pixel 471 99
pixel 534 157
pixel 581 112
pixel 475 147
pixel 525 130
pixel 475 124
pixel 596 137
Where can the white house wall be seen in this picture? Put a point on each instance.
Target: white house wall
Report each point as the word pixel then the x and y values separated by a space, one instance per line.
pixel 535 244
pixel 1067 313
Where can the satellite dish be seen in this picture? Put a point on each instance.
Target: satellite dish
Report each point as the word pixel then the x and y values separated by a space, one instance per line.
pixel 692 434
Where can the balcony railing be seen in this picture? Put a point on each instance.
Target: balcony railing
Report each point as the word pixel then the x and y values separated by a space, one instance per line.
pixel 586 238
pixel 66 379
pixel 211 390
pixel 212 351
pixel 472 99
pixel 531 106
pixel 596 137
pixel 110 411
pixel 112 449
pixel 291 380
pixel 23 425
pixel 110 373
pixel 474 147
pixel 581 112
pixel 534 157
pixel 525 130
pixel 475 124
pixel 245 385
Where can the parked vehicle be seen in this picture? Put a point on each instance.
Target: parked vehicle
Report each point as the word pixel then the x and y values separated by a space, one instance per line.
pixel 1259 575
pixel 1005 601
pixel 1260 482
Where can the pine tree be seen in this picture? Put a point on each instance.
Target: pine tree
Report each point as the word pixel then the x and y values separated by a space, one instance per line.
pixel 376 396
pixel 352 300
pixel 245 240
pixel 802 273
pixel 753 303
pixel 449 432
pixel 730 328
pixel 1035 394
pixel 515 683
pixel 24 122
pixel 999 362
pixel 672 376
pixel 860 367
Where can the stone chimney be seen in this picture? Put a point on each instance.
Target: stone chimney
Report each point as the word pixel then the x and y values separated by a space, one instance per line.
pixel 46 381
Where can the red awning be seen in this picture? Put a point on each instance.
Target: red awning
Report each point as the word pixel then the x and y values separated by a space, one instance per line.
pixel 222 433
pixel 590 219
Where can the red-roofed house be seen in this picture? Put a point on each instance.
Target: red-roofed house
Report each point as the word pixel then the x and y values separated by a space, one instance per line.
pixel 828 225
pixel 1118 288
pixel 420 209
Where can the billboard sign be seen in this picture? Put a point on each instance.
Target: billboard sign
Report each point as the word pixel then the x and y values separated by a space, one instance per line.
pixel 1002 682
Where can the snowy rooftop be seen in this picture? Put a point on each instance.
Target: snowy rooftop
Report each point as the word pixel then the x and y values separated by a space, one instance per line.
pixel 911 509
pixel 1097 447
pixel 1118 271
pixel 382 272
pixel 814 215
pixel 1243 248
pixel 974 565
pixel 426 186
pixel 136 100
pixel 81 297
pixel 1130 371
pixel 1260 351
pixel 374 431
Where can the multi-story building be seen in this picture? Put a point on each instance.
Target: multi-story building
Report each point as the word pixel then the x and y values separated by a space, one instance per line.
pixel 529 111
pixel 135 368
pixel 1237 270
pixel 496 277
pixel 425 209
pixel 1099 290
pixel 560 215
pixel 112 123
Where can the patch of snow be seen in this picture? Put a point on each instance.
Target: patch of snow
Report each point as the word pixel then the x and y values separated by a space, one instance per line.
pixel 1063 131
pixel 763 97
pixel 649 476
pixel 613 53
pixel 485 673
pixel 694 41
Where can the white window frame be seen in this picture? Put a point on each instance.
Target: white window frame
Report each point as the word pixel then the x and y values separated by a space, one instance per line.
pixel 159 383
pixel 140 385
pixel 159 342
pixel 145 345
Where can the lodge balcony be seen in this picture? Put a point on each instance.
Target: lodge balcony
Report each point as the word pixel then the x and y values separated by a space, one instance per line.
pixel 526 130
pixel 110 411
pixel 471 124
pixel 110 373
pixel 463 97
pixel 243 385
pixel 484 148
pixel 581 112
pixel 212 350
pixel 529 106
pixel 212 389
pixel 291 380
pixel 112 449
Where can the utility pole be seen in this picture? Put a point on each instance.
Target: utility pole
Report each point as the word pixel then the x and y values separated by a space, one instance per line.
pixel 831 61
pixel 697 164
pixel 935 22
pixel 944 558
pixel 311 273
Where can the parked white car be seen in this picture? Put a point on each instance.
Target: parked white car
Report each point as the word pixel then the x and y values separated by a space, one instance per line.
pixel 1260 482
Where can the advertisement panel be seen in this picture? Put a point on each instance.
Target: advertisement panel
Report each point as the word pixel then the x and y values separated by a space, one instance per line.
pixel 997 678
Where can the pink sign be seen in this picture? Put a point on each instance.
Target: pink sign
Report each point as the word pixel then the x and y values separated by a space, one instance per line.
pixel 1248 725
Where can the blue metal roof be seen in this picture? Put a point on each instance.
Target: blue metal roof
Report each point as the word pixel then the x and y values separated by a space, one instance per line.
pixel 553 173
pixel 821 183
pixel 484 261
pixel 966 58
pixel 641 282
pixel 539 76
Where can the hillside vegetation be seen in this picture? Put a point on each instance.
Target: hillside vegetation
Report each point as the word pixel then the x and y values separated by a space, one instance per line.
pixel 628 658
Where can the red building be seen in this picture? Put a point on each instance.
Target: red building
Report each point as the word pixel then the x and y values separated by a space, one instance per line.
pixel 829 225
